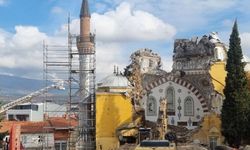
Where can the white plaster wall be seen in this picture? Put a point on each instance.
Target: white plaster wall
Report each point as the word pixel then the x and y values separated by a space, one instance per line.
pixel 37 115
pixel 52 109
pixel 32 140
pixel 159 92
pixel 18 112
pixel 33 115
pixel 220 53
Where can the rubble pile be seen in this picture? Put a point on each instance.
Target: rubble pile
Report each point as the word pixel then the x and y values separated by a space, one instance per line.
pixel 191 147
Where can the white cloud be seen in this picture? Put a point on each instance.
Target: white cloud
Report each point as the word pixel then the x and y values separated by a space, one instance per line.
pixel 8 61
pixel 185 14
pixel 247 60
pixel 57 10
pixel 74 28
pixel 2 41
pixel 245 42
pixel 27 36
pixel 108 55
pixel 130 21
pixel 21 49
pixel 126 24
pixel 167 63
pixel 115 29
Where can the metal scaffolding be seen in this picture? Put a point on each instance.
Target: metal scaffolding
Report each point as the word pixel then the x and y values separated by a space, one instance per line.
pixel 87 106
pixel 78 71
pixel 61 63
pixel 56 68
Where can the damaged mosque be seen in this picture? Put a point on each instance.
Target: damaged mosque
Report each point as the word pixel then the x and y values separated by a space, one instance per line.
pixel 142 107
pixel 193 91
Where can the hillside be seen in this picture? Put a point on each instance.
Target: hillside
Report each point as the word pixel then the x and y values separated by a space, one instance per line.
pixel 17 86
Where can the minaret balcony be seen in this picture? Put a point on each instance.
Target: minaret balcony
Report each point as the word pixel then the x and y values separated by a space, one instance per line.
pixel 86 38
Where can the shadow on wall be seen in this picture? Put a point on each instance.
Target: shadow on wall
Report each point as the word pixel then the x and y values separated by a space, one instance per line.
pixel 113 110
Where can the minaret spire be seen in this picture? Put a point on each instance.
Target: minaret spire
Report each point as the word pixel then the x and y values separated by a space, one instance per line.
pixel 85 9
pixel 85 21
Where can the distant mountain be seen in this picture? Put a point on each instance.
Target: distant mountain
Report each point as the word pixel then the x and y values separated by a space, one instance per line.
pixel 12 87
pixel 18 86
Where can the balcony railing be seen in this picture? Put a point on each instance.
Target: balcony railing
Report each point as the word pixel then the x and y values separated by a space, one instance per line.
pixel 90 38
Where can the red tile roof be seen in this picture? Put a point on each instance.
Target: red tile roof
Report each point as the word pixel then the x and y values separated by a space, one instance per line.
pixel 5 126
pixel 36 127
pixel 59 122
pixel 57 125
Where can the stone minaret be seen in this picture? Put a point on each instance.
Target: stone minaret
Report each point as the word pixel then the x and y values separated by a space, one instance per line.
pixel 86 39
pixel 86 49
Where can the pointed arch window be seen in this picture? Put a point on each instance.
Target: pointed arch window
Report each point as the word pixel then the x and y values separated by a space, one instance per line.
pixel 151 106
pixel 170 95
pixel 189 106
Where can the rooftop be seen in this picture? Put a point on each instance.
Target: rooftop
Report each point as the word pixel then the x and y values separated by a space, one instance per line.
pixel 50 125
pixel 114 80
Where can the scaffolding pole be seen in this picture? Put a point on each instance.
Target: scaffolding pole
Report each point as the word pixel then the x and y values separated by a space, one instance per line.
pixel 87 104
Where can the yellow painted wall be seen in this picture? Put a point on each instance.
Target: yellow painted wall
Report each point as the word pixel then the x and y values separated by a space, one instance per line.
pixel 218 74
pixel 112 111
pixel 210 127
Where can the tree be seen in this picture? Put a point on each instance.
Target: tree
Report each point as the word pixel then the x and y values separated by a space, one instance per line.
pixel 248 80
pixel 235 106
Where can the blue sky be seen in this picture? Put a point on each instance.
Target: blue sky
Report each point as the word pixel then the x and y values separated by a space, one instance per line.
pixel 122 27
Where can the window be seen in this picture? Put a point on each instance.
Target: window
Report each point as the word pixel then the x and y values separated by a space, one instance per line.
pixel 57 146
pixel 189 107
pixel 182 123
pixel 61 145
pixel 22 117
pixel 170 99
pixel 195 123
pixel 64 146
pixel 151 106
pixel 11 117
pixel 26 107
